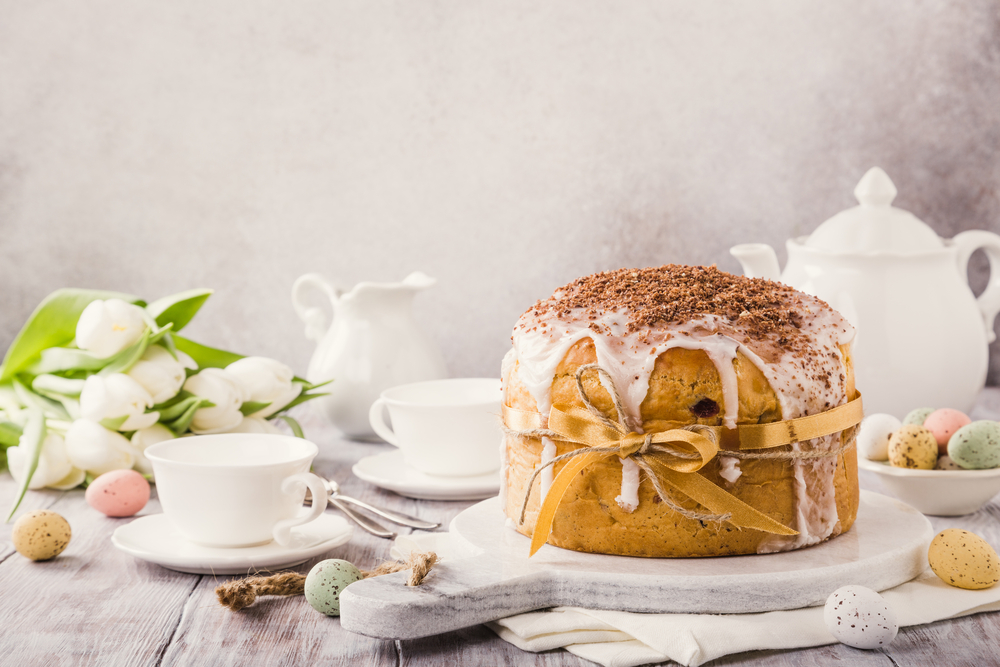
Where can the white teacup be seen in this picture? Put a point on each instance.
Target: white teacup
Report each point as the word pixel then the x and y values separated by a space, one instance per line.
pixel 447 428
pixel 236 489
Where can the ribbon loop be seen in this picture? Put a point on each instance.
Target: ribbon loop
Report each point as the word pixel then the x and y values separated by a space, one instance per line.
pixel 668 457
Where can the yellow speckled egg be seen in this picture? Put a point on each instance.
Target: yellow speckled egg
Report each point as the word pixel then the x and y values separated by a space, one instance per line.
pixel 963 559
pixel 41 535
pixel 913 446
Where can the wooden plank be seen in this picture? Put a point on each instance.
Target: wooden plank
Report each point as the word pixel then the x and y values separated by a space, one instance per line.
pixel 93 605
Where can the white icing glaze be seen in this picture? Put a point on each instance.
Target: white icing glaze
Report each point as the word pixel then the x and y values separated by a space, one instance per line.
pixel 729 469
pixel 803 385
pixel 506 366
pixel 629 498
pixel 548 453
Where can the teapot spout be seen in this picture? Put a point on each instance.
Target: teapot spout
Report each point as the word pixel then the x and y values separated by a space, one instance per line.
pixel 758 260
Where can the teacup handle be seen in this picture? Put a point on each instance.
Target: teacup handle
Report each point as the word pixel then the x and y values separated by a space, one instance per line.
pixel 989 301
pixel 283 529
pixel 376 417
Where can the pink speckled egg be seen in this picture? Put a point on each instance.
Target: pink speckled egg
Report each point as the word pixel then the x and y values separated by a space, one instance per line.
pixel 118 493
pixel 943 423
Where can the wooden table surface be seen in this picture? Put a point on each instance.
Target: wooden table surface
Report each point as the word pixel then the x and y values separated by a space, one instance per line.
pixel 94 605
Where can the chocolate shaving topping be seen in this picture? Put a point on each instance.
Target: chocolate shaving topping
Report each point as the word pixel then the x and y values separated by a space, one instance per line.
pixel 755 309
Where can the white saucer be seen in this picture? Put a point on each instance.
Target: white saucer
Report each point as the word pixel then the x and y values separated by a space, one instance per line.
pixel 153 538
pixel 390 471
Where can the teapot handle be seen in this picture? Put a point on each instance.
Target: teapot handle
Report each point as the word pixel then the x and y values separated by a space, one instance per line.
pixel 316 323
pixel 989 301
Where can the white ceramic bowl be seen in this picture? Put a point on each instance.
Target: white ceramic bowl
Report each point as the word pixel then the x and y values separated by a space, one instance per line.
pixel 937 492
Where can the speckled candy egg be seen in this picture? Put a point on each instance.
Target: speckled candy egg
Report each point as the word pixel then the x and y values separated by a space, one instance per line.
pixel 873 436
pixel 913 447
pixel 326 581
pixel 976 446
pixel 945 463
pixel 963 559
pixel 859 617
pixel 943 424
pixel 118 493
pixel 41 535
pixel 917 417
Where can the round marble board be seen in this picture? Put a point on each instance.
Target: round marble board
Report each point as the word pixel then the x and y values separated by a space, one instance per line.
pixel 887 546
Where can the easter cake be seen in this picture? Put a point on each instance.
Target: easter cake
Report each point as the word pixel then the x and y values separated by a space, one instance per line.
pixel 679 346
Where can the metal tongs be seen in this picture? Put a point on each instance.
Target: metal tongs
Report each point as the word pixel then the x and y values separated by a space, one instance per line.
pixel 342 503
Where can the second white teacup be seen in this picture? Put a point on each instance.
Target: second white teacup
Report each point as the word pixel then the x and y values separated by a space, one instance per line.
pixel 237 489
pixel 447 428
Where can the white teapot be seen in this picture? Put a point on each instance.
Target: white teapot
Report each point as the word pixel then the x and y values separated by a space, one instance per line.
pixel 372 344
pixel 921 333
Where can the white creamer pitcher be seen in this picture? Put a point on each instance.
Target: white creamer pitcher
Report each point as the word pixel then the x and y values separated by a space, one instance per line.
pixel 373 343
pixel 921 333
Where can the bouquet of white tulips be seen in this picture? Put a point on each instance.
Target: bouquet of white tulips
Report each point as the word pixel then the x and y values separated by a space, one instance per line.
pixel 94 378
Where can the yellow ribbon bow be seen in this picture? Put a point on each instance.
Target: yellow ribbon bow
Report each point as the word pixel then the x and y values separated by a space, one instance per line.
pixel 668 457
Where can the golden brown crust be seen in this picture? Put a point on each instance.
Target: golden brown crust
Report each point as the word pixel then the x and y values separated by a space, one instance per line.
pixel 684 388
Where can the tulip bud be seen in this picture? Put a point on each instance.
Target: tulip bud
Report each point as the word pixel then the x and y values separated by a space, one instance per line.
pixel 267 381
pixel 97 450
pixel 54 467
pixel 105 328
pixel 223 389
pixel 114 397
pixel 144 438
pixel 160 374
pixel 254 425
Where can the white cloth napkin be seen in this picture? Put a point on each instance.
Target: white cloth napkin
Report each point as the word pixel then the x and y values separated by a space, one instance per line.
pixel 624 639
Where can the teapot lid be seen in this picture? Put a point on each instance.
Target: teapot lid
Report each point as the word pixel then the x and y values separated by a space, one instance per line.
pixel 875 225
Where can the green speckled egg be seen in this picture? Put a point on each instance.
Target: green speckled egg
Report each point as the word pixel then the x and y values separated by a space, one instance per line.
pixel 976 445
pixel 913 447
pixel 326 581
pixel 917 417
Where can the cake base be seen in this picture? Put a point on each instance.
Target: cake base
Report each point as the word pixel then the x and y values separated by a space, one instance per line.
pixel 886 547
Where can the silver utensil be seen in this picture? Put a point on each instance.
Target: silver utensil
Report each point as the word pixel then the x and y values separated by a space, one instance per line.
pixel 391 515
pixel 373 527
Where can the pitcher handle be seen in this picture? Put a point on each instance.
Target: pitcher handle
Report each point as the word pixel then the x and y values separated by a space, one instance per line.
pixel 989 301
pixel 316 323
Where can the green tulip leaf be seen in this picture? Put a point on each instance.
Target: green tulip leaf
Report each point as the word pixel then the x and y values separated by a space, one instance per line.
pixel 251 407
pixel 124 360
pixel 177 410
pixel 30 399
pixel 294 425
pixel 63 359
pixel 113 423
pixel 183 422
pixel 203 355
pixel 53 324
pixel 309 386
pixel 31 440
pixel 10 433
pixel 178 309
pixel 300 399
pixel 170 402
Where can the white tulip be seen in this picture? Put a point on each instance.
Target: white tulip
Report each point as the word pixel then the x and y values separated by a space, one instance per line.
pixel 54 467
pixel 116 396
pixel 144 438
pixel 226 391
pixel 267 381
pixel 254 425
pixel 160 374
pixel 105 328
pixel 97 450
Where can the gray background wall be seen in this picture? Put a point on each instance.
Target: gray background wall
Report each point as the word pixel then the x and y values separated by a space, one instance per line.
pixel 502 147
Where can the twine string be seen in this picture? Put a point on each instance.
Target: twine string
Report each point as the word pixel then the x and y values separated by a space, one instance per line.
pixel 242 593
